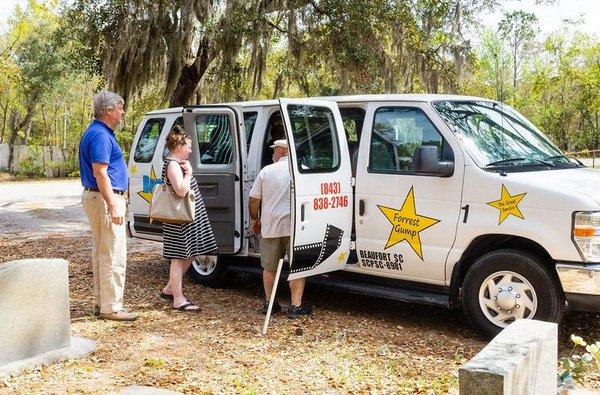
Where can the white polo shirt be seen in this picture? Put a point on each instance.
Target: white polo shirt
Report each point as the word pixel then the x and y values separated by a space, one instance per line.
pixel 272 186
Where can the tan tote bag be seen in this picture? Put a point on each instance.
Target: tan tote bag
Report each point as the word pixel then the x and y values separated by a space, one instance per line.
pixel 168 207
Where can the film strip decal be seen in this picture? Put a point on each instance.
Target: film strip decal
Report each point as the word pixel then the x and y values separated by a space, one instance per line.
pixel 309 256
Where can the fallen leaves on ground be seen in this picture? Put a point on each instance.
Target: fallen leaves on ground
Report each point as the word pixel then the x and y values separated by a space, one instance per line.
pixel 352 344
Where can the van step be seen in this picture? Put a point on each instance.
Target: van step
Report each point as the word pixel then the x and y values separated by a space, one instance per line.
pixel 410 295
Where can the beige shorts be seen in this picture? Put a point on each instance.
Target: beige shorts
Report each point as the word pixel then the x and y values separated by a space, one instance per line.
pixel 273 249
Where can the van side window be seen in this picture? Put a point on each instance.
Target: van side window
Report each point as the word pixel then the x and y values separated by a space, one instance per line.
pixel 353 118
pixel 178 122
pixel 249 123
pixel 315 136
pixel 396 134
pixel 144 151
pixel 214 139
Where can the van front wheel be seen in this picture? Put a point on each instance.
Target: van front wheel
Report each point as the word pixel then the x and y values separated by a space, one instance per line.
pixel 209 270
pixel 507 285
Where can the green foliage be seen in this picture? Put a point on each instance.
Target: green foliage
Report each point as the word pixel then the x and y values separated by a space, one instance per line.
pixel 40 62
pixel 72 166
pixel 33 165
pixel 557 89
pixel 575 366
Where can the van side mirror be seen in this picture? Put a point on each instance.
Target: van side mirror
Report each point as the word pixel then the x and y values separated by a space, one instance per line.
pixel 425 161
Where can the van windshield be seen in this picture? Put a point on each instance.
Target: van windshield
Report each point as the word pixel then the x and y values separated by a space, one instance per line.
pixel 497 136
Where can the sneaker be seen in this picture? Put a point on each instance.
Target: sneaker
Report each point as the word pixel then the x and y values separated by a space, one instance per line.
pixel 297 311
pixel 276 307
pixel 120 315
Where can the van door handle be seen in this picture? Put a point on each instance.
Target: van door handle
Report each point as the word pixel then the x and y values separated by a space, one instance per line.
pixel 302 212
pixel 361 207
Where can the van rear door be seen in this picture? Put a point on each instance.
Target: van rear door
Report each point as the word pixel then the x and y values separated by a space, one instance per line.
pixel 145 167
pixel 321 188
pixel 218 159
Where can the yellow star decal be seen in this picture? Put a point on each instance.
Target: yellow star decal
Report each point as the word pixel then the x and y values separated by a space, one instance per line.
pixel 133 170
pixel 407 224
pixel 508 204
pixel 148 184
pixel 342 257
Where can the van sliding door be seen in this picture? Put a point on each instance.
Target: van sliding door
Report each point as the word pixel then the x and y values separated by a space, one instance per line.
pixel 218 158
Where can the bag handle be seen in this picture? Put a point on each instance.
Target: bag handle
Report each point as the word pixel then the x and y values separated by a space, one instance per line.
pixel 166 170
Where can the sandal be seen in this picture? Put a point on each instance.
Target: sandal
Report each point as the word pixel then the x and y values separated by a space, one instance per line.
pixel 186 308
pixel 165 296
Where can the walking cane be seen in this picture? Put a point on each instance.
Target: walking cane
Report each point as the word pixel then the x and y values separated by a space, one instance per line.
pixel 272 298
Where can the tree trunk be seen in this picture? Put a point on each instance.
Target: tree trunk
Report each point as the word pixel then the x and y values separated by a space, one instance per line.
pixel 11 148
pixel 27 134
pixel 54 141
pixel 457 49
pixel 46 128
pixel 191 75
pixel 16 126
pixel 4 117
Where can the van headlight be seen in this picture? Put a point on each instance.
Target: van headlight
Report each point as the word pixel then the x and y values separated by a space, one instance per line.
pixel 586 235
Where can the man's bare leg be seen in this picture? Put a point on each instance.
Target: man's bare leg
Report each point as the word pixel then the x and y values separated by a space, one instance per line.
pixel 268 281
pixel 297 289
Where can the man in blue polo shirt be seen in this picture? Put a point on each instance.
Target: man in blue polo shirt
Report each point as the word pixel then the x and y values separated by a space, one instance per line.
pixel 105 180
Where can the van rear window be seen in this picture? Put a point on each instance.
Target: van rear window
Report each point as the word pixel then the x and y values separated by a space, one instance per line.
pixel 214 139
pixel 144 151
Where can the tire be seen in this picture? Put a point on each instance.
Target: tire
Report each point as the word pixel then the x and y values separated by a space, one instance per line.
pixel 505 278
pixel 209 270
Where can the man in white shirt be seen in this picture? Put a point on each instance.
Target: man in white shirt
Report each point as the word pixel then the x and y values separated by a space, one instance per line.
pixel 271 189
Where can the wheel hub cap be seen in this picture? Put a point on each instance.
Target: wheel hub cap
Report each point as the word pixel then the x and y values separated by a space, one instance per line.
pixel 205 264
pixel 506 296
pixel 506 300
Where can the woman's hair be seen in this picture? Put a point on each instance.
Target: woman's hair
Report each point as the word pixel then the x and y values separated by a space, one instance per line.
pixel 176 137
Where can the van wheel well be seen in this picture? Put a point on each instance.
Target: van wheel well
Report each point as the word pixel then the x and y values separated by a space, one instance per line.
pixel 488 243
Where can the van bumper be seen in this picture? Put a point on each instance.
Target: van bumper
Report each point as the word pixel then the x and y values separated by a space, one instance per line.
pixel 581 285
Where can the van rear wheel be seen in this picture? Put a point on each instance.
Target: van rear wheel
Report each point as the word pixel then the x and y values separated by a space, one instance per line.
pixel 507 285
pixel 209 270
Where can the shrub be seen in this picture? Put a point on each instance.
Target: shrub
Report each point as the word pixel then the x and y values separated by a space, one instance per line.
pixel 31 165
pixel 575 366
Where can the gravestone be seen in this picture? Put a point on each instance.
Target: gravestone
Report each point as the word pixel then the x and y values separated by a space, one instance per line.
pixel 520 360
pixel 35 323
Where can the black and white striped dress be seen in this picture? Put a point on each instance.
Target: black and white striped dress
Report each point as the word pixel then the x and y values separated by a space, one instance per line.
pixel 188 240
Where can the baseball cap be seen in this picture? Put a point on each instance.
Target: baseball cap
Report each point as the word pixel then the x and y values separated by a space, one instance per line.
pixel 279 143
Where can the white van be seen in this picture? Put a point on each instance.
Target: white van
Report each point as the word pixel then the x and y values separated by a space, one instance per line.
pixel 436 199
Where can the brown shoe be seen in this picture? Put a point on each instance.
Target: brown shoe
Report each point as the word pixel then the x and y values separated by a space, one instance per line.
pixel 120 315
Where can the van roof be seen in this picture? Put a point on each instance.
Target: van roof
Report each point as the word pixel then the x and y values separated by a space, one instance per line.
pixel 342 99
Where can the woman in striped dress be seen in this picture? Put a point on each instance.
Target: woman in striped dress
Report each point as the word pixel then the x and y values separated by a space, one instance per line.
pixel 183 243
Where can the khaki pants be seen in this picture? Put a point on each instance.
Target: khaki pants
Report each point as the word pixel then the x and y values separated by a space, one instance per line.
pixel 109 257
pixel 272 249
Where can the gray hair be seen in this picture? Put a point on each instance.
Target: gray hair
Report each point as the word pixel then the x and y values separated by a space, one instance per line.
pixel 104 101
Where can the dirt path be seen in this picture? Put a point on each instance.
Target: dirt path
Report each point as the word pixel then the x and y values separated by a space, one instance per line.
pixel 353 344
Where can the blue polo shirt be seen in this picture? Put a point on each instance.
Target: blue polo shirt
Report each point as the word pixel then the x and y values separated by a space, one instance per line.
pixel 99 145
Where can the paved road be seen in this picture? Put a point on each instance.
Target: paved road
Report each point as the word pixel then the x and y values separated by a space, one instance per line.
pixel 39 209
